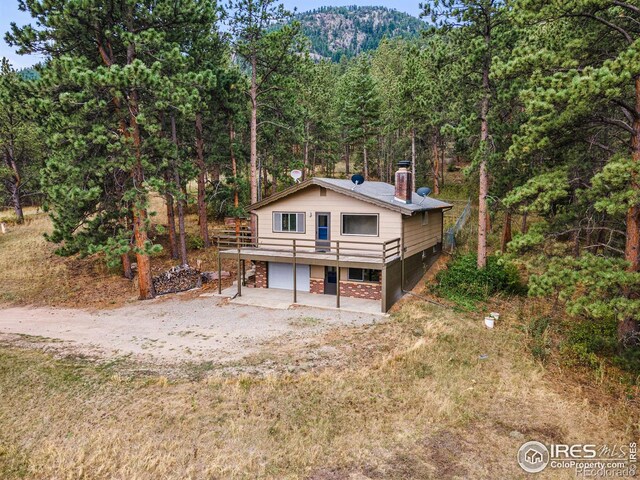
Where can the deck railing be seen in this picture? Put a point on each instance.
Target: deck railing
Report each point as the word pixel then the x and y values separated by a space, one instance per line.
pixel 230 239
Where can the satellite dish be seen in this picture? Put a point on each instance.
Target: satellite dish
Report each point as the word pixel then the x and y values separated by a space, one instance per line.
pixel 357 179
pixel 423 192
pixel 296 175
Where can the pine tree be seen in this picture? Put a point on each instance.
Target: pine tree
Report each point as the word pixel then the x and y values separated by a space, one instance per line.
pixel 267 51
pixel 109 75
pixel 482 20
pixel 20 140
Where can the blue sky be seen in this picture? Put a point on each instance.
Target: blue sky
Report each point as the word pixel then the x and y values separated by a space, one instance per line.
pixel 9 13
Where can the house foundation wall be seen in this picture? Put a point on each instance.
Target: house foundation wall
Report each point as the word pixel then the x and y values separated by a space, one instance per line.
pixel 369 291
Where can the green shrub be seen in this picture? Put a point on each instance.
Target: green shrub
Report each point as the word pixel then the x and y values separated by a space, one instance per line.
pixel 195 242
pixel 589 342
pixel 464 284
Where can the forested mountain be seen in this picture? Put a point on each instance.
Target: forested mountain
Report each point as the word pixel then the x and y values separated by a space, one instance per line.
pixel 335 32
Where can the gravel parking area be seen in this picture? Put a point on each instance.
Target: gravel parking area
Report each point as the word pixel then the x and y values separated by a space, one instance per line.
pixel 173 330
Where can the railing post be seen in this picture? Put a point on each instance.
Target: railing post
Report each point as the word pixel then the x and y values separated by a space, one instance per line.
pixel 219 270
pixel 295 286
pixel 337 274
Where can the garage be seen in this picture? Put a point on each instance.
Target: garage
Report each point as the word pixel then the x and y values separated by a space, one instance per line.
pixel 281 276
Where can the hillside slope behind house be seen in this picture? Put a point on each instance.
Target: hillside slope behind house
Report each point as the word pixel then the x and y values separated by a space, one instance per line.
pixel 335 32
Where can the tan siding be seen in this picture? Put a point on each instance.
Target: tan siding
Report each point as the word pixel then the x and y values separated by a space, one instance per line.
pixel 418 237
pixel 309 201
pixel 317 271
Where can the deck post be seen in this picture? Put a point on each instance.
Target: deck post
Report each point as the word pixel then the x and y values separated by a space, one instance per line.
pixel 239 274
pixel 385 285
pixel 295 286
pixel 337 274
pixel 219 271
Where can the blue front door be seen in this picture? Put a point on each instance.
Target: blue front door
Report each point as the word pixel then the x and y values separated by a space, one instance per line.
pixel 323 232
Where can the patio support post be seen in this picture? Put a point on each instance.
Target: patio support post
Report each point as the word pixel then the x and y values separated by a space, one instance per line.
pixel 385 285
pixel 295 286
pixel 338 274
pixel 219 271
pixel 239 273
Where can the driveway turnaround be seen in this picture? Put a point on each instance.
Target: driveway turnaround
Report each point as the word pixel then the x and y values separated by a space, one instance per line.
pixel 173 329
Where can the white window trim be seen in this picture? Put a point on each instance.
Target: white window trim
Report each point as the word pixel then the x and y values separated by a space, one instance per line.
pixel 304 222
pixel 425 218
pixel 377 215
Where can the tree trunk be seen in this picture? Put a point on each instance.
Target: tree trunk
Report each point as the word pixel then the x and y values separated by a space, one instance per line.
pixel 234 165
pixel 306 151
pixel 414 159
pixel 15 181
pixel 182 233
pixel 202 172
pixel 484 176
pixel 506 231
pixel 436 162
pixel 126 266
pixel 629 328
pixel 145 282
pixel 365 161
pixel 139 209
pixel 253 140
pixel 524 228
pixel 347 158
pixel 443 150
pixel 632 247
pixel 171 219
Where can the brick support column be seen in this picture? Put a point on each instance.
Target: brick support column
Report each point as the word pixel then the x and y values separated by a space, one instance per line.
pixel 317 286
pixel 262 277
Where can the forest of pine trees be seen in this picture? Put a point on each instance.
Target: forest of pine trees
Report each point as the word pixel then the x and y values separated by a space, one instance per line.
pixel 538 99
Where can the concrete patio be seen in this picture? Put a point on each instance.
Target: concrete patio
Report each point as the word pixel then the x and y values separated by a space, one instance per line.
pixel 283 299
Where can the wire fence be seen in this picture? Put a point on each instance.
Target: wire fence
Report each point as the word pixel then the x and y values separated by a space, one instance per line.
pixel 461 218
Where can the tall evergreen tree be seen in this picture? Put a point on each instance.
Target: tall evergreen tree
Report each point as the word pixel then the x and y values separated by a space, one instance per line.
pixel 267 51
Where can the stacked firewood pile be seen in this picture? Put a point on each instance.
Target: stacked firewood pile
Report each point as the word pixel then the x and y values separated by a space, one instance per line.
pixel 177 279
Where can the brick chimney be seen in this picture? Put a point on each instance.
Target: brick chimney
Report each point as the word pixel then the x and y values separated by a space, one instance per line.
pixel 403 182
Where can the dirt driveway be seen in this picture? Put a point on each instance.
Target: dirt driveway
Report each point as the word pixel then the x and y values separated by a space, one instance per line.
pixel 171 331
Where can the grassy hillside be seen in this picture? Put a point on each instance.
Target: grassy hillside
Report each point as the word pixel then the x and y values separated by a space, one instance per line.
pixel 335 32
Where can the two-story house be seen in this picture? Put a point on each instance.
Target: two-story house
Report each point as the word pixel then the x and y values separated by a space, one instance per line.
pixel 333 237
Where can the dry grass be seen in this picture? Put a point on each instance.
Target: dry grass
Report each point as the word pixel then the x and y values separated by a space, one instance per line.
pixel 32 274
pixel 427 407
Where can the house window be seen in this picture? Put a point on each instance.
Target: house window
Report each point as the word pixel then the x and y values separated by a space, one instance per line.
pixel 425 218
pixel 363 275
pixel 289 222
pixel 359 224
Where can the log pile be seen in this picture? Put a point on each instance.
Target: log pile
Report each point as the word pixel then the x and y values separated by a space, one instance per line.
pixel 177 279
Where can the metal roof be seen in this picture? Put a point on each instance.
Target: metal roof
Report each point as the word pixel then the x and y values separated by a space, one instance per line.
pixel 377 193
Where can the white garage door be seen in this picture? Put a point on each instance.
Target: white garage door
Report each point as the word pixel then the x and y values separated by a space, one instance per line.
pixel 281 276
